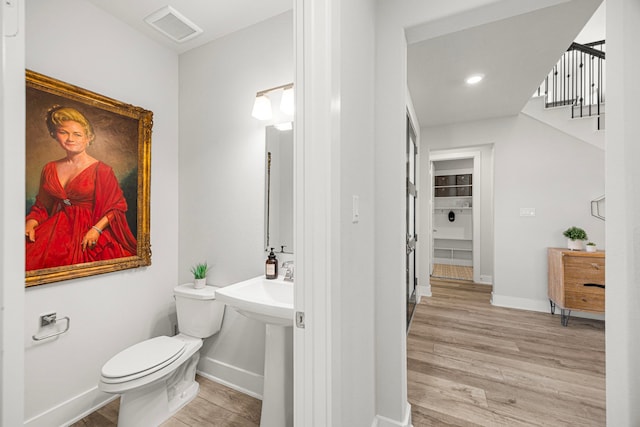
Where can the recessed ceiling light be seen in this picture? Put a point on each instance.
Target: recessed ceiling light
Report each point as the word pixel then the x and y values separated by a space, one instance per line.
pixel 474 79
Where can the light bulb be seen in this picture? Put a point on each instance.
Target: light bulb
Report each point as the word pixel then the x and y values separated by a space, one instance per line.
pixel 286 103
pixel 262 108
pixel 474 79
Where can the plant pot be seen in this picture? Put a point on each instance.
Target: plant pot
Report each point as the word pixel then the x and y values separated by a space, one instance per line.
pixel 591 248
pixel 575 245
pixel 199 283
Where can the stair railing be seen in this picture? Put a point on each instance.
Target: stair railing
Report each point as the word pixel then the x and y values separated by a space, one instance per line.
pixel 577 80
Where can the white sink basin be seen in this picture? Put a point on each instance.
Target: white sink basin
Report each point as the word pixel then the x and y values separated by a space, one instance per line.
pixel 269 301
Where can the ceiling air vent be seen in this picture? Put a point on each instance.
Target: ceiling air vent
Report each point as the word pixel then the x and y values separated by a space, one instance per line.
pixel 173 24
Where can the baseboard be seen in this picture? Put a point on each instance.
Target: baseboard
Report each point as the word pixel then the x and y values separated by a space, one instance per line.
pixel 486 280
pixel 381 421
pixel 423 291
pixel 535 305
pixel 231 376
pixel 66 412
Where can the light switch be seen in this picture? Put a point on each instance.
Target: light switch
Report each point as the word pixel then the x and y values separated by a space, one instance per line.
pixel 527 211
pixel 355 209
pixel 10 17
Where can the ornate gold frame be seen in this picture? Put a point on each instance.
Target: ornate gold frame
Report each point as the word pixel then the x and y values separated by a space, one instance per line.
pixel 67 92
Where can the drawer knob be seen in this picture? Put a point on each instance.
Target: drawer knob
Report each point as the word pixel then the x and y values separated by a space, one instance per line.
pixel 596 266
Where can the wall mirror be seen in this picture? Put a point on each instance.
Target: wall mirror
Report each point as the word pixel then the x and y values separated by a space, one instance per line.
pixel 278 190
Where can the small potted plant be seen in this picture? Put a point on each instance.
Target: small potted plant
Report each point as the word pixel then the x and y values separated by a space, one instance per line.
pixel 575 238
pixel 591 247
pixel 200 271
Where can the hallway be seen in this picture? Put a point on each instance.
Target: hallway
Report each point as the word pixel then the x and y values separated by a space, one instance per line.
pixel 474 364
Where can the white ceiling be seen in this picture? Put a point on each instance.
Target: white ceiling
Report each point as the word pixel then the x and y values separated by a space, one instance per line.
pixel 514 54
pixel 216 17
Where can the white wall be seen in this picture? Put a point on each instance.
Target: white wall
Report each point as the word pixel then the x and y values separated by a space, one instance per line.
pixel 221 157
pixel 623 220
pixel 75 42
pixel 12 130
pixel 535 166
pixel 355 299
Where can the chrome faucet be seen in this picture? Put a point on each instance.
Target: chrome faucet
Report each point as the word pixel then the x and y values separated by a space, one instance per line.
pixel 288 268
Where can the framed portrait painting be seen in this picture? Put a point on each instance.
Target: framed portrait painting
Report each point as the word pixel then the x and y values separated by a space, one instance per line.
pixel 88 160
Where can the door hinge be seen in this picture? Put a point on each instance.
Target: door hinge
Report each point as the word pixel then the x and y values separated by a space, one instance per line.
pixel 300 319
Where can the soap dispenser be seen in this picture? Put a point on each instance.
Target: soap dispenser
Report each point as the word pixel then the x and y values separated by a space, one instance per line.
pixel 271 266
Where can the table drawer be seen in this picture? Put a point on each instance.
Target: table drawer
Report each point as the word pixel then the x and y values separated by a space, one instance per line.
pixel 585 301
pixel 581 270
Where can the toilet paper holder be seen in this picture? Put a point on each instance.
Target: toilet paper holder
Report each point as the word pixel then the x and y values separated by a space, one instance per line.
pixel 51 319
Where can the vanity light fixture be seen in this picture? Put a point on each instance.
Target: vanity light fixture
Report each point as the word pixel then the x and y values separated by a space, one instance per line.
pixel 262 107
pixel 286 103
pixel 262 104
pixel 474 79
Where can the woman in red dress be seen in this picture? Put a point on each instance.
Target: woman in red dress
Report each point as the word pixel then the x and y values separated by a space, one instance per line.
pixel 79 213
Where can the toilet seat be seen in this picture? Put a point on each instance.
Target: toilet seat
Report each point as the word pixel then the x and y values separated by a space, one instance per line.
pixel 142 359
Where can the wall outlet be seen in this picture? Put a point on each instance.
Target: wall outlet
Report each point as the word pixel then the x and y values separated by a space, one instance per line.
pixel 527 211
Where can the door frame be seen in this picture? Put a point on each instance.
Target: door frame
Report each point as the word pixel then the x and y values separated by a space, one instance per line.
pixel 460 154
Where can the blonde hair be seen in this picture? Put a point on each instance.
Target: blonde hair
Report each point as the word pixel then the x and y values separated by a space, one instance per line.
pixel 58 115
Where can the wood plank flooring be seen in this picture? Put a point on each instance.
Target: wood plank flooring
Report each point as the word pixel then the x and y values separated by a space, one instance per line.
pixel 469 364
pixel 450 271
pixel 215 405
pixel 472 364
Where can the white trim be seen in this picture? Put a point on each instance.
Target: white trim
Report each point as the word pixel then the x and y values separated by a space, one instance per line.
pixel 12 178
pixel 381 421
pixel 485 279
pixel 424 290
pixel 476 155
pixel 59 414
pixel 241 380
pixel 535 305
pixel 316 138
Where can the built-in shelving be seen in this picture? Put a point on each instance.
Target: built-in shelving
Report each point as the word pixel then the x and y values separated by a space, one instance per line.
pixel 460 185
pixel 452 240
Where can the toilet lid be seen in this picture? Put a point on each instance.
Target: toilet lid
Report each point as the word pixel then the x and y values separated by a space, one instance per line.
pixel 143 359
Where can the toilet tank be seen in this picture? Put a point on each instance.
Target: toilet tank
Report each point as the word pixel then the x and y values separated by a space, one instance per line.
pixel 199 313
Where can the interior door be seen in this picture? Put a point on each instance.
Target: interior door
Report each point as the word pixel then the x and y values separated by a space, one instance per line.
pixel 412 236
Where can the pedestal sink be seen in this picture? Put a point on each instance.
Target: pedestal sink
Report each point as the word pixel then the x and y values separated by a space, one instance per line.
pixel 270 302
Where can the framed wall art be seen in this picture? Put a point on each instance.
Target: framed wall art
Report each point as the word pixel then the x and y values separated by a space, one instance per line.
pixel 87 202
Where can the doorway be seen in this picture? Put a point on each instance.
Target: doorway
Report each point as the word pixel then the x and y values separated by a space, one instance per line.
pixel 452 219
pixel 456 195
pixel 412 236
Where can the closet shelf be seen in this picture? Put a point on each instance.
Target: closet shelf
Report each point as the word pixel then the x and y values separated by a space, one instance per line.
pixel 451 238
pixel 437 248
pixel 452 208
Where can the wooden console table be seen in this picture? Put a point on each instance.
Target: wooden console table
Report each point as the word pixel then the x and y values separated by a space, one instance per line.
pixel 576 281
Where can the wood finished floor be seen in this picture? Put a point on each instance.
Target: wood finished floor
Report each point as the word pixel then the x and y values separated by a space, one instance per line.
pixel 450 271
pixel 472 364
pixel 215 405
pixel 469 364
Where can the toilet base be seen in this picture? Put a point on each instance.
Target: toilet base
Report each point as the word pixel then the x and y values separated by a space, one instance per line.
pixel 156 402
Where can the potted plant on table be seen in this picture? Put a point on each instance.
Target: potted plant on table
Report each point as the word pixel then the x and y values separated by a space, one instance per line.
pixel 575 238
pixel 591 247
pixel 200 271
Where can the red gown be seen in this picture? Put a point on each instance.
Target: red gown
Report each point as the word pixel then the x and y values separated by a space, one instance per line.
pixel 65 214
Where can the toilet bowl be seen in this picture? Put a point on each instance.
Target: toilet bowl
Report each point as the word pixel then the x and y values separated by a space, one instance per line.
pixel 156 377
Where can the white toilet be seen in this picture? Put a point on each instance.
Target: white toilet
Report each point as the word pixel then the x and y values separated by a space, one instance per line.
pixel 156 377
